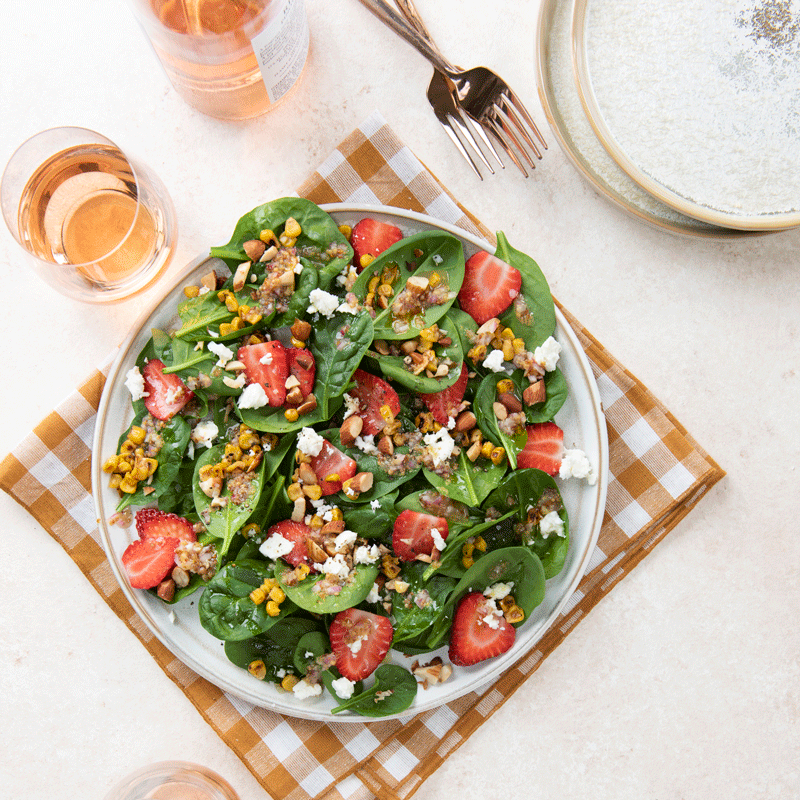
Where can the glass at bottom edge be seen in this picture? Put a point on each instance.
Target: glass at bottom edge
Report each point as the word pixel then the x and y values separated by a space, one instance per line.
pixel 172 780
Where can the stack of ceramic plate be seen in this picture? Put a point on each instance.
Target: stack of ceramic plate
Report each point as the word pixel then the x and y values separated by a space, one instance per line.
pixel 685 114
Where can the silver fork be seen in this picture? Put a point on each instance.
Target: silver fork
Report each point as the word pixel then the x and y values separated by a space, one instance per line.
pixel 478 93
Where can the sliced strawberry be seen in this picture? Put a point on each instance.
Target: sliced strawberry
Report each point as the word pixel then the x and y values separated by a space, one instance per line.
pixel 447 403
pixel 544 448
pixel 152 523
pixel 149 561
pixel 371 237
pixel 413 534
pixel 479 631
pixel 302 365
pixel 334 464
pixel 489 287
pixel 266 363
pixel 296 532
pixel 166 394
pixel 373 393
pixel 360 641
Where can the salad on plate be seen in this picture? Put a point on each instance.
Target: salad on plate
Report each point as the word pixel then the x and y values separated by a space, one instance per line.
pixel 346 446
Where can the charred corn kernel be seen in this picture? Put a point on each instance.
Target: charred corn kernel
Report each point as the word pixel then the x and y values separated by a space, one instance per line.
pixel 477 353
pixel 507 602
pixel 289 682
pixel 251 530
pixel 373 284
pixel 365 260
pixel 508 350
pixel 139 472
pixel 313 492
pixel 298 343
pixel 292 227
pixel 233 450
pixel 258 669
pixel 110 464
pixel 277 594
pixel 302 458
pixel 127 448
pixel 291 414
pixel 497 455
pixel 389 274
pixel 191 291
pixel 295 491
pixel 151 464
pixel 507 333
pixel 386 412
pixel 303 572
pixel 385 290
pixel 390 566
pixel 287 241
pixel 505 385
pixel 345 230
pixel 236 466
pixel 128 485
pixel 114 481
pixel 486 450
pixel 390 428
pixel 269 441
pixel 437 426
pixel 243 311
pixel 206 472
pixel 124 466
pixel 267 236
pixel 225 328
pixel 514 615
pixel 268 585
pixel 475 435
pixel 258 595
pixel 273 609
pixel 480 544
pixel 252 317
pixel 369 299
pixel 136 434
pixel 430 334
pixel 518 345
pixel 226 296
pixel 333 477
pixel 336 515
pixel 248 438
pixel 434 279
pixel 467 550
pixel 467 561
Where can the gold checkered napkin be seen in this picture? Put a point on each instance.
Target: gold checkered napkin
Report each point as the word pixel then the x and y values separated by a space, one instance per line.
pixel 658 474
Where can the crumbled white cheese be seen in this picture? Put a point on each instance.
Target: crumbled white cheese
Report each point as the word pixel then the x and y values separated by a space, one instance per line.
pixel 575 464
pixel 134 382
pixel 234 383
pixel 366 554
pixel 366 444
pixel 451 423
pixel 438 542
pixel 355 646
pixel 374 504
pixel 344 539
pixel 253 396
pixel 343 687
pixel 497 591
pixel 492 618
pixel 374 595
pixel 310 442
pixel 276 547
pixel 336 566
pixel 351 405
pixel 302 690
pixel 322 302
pixel 205 432
pixel 441 445
pixel 494 361
pixel 346 308
pixel 298 268
pixel 266 358
pixel 547 354
pixel 436 258
pixel 224 354
pixel 173 394
pixel 551 523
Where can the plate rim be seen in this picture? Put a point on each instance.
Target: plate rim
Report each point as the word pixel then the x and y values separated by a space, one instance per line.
pixel 492 669
pixel 760 223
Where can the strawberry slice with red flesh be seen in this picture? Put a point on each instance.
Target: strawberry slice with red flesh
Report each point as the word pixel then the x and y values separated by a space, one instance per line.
pixel 152 523
pixel 413 534
pixel 371 237
pixel 297 533
pixel 544 448
pixel 302 365
pixel 360 641
pixel 166 393
pixel 372 394
pixel 149 561
pixel 490 286
pixel 266 363
pixel 478 632
pixel 447 403
pixel 332 463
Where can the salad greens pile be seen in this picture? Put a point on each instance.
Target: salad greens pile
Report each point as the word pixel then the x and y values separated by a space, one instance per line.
pixel 209 444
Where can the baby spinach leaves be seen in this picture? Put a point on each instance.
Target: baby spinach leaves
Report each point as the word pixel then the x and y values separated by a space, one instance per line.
pixel 393 692
pixel 311 593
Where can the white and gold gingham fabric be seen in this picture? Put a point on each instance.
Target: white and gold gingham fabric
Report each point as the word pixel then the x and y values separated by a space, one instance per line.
pixel 658 473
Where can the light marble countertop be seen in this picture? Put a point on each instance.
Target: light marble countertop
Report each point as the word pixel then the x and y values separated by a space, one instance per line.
pixel 684 683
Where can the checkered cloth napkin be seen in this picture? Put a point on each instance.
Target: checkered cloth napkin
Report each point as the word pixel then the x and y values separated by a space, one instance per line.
pixel 658 473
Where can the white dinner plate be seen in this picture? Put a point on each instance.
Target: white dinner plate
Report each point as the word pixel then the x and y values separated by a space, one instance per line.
pixel 177 626
pixel 698 102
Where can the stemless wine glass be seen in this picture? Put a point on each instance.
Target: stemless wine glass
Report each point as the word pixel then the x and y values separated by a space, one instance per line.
pixel 173 780
pixel 94 224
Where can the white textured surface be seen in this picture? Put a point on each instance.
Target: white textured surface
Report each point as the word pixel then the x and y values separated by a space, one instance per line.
pixel 684 683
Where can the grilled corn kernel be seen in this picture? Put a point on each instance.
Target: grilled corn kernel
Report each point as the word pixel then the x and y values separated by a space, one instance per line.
pixel 136 434
pixel 345 230
pixel 316 522
pixel 507 333
pixel 110 465
pixel 519 345
pixel 291 414
pixel 295 491
pixel 434 279
pixel 206 472
pixel 277 594
pixel 497 455
pixel 514 615
pixel 337 515
pixel 258 669
pixel 247 439
pixel 267 236
pixel 390 566
pixel 292 227
pixel 386 412
pixel 486 450
pixel 251 530
pixel 139 472
pixel 269 441
pixel 287 241
pixel 289 682
pixel 373 284
pixel 273 609
pixel 124 466
pixel 467 561
pixel 468 548
pixel 480 544
pixel 477 353
pixel 127 448
pixel 505 385
pixel 369 299
pixel 114 481
pixel 366 260
pixel 298 343
pixel 303 571
pixel 507 602
pixel 385 290
pixel 333 477
pixel 191 291
pixel 128 485
pixel 313 492
pixel 508 350
pixel 258 596
pixel 233 451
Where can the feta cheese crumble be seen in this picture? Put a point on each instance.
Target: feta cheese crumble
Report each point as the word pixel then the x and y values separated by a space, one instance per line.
pixel 310 442
pixel 343 687
pixel 344 539
pixel 253 396
pixel 366 554
pixel 575 464
pixel 276 546
pixel 441 445
pixel 204 433
pixel 302 690
pixel 547 354
pixel 322 302
pixel 134 382
pixel 366 444
pixel 438 542
pixel 374 595
pixel 335 566
pixel 497 591
pixel 351 405
pixel 551 523
pixel 494 361
pixel 223 353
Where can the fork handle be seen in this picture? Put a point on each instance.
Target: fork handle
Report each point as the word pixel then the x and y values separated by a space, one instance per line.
pixel 389 16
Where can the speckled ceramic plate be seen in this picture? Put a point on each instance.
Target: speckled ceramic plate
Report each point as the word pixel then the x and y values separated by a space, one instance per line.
pixel 698 102
pixel 177 626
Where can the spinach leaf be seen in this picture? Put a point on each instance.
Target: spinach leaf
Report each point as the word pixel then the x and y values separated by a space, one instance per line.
pixel 226 610
pixel 556 394
pixel 415 609
pixel 483 406
pixel 368 520
pixel 393 692
pixel 318 602
pixel 539 320
pixel 275 647
pixel 272 420
pixel 471 482
pixel 310 649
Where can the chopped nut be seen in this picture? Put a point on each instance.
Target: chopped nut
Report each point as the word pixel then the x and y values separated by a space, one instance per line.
pixel 465 421
pixel 301 329
pixel 535 393
pixel 511 402
pixel 474 451
pixel 432 673
pixel 381 347
pixel 500 411
pixel 209 280
pixel 294 397
pixel 386 445
pixel 240 276
pixel 180 577
pixel 350 429
pixel 291 382
pixel 307 475
pixel 359 483
pixel 268 254
pixel 315 552
pixel 166 589
pixel 334 526
pixel 308 405
pixel 299 510
pixel 254 248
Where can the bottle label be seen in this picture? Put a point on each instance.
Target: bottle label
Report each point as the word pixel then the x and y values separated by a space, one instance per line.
pixel 282 48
